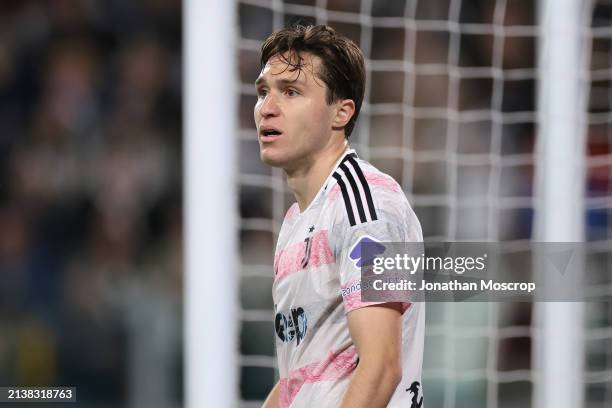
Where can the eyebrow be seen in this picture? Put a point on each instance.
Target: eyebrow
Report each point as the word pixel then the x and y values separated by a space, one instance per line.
pixel 283 81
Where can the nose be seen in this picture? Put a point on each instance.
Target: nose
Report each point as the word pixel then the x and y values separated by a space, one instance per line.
pixel 269 106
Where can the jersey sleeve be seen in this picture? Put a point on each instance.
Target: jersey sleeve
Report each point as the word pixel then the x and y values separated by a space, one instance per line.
pixel 393 221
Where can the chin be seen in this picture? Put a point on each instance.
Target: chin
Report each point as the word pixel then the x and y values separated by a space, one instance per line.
pixel 274 159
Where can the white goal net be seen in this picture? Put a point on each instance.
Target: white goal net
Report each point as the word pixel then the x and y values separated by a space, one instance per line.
pixel 450 112
pixel 598 208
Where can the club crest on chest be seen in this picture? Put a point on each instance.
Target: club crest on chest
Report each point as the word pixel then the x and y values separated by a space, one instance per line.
pixel 307 247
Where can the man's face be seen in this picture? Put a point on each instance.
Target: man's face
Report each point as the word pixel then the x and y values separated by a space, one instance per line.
pixel 293 119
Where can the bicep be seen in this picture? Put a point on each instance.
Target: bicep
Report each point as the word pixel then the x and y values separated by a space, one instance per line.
pixel 376 332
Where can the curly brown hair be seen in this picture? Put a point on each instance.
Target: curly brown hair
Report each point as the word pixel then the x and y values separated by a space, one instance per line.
pixel 342 66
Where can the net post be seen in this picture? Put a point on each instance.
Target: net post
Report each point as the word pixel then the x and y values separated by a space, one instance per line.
pixel 560 164
pixel 210 204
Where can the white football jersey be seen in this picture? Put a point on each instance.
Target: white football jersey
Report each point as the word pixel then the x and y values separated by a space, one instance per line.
pixel 317 282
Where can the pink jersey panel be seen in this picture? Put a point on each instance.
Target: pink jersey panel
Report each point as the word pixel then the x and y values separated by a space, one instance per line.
pixel 337 365
pixel 289 260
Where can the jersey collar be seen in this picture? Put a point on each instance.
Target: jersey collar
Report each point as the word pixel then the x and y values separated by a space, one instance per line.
pixel 330 180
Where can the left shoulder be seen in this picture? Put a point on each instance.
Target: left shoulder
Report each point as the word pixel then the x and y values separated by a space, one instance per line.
pixel 362 194
pixel 381 184
pixel 380 190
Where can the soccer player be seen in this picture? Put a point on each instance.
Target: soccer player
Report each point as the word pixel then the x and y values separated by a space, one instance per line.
pixel 334 350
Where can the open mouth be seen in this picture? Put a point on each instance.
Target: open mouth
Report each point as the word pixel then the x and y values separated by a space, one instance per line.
pixel 269 134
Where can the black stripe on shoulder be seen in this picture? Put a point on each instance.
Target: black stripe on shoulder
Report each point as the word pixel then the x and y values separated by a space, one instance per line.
pixel 348 156
pixel 347 200
pixel 356 194
pixel 364 185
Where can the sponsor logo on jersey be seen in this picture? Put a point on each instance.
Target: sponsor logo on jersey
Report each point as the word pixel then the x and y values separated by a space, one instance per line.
pixel 363 254
pixel 291 326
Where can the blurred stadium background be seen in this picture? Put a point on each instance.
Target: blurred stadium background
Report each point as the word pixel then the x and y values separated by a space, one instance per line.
pixel 91 186
pixel 90 199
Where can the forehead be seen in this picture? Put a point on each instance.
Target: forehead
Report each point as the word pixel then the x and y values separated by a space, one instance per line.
pixel 300 68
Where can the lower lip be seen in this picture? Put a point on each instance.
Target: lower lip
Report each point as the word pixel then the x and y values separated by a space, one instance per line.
pixel 268 139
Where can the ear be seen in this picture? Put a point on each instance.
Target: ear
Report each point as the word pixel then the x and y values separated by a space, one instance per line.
pixel 345 109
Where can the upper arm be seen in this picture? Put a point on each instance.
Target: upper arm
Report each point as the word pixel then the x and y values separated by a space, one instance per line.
pixel 348 243
pixel 376 332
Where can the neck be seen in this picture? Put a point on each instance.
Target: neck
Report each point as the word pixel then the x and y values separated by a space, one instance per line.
pixel 306 180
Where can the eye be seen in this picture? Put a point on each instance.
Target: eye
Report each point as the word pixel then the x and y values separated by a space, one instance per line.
pixel 291 92
pixel 262 92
